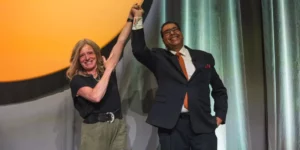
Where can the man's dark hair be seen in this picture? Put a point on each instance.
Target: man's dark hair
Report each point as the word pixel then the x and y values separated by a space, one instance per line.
pixel 169 22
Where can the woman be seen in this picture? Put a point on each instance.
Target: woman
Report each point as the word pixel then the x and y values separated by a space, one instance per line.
pixel 95 94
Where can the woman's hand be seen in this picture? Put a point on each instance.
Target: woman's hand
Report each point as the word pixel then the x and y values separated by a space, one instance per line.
pixel 110 65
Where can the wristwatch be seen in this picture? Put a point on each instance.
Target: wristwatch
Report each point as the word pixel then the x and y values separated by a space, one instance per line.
pixel 129 20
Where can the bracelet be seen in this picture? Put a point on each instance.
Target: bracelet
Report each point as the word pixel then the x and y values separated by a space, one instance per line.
pixel 129 20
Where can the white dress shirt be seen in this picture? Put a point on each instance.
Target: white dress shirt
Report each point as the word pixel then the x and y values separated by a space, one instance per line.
pixel 189 66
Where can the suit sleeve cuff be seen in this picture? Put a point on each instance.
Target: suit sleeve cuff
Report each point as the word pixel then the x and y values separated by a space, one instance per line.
pixel 139 23
pixel 221 115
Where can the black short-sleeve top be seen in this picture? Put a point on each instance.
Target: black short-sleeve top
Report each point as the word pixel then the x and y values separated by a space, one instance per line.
pixel 110 102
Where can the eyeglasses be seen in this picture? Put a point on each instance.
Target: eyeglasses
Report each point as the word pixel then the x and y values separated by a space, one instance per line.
pixel 168 32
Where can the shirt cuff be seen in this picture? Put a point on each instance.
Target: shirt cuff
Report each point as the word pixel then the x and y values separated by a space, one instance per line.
pixel 139 24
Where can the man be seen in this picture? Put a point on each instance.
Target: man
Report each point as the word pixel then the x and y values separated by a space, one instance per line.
pixel 182 104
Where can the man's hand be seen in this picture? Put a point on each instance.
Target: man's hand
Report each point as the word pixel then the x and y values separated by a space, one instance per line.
pixel 132 10
pixel 218 120
pixel 137 10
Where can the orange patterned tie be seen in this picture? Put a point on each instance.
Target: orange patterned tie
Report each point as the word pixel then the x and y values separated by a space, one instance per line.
pixel 182 65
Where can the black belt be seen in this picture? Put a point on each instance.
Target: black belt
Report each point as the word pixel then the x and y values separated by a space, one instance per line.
pixel 103 117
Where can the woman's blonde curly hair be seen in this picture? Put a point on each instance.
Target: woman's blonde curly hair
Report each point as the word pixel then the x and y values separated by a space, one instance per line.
pixel 75 67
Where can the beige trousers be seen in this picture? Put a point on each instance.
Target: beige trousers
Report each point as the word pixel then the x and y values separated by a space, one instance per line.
pixel 104 136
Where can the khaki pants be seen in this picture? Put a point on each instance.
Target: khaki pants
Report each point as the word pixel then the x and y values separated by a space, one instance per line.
pixel 104 136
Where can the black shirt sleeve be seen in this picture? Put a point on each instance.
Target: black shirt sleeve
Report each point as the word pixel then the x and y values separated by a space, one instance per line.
pixel 83 106
pixel 77 82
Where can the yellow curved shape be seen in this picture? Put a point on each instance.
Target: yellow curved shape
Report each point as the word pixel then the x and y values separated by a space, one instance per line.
pixel 37 36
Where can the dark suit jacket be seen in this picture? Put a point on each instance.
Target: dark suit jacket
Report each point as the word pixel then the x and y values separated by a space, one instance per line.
pixel 172 86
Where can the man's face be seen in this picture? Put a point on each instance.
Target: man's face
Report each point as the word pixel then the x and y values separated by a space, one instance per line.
pixel 172 36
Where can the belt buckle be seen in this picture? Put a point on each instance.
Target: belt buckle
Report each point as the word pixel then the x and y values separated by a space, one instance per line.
pixel 112 116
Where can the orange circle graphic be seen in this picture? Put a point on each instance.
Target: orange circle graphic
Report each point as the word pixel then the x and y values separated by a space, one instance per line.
pixel 37 36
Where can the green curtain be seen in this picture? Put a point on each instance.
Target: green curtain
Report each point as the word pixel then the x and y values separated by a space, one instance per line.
pixel 217 27
pixel 281 24
pixel 256 48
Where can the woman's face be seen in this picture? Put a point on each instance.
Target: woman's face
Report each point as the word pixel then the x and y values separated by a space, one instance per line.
pixel 87 58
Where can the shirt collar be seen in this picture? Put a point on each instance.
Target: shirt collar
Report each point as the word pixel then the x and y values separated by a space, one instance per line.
pixel 182 51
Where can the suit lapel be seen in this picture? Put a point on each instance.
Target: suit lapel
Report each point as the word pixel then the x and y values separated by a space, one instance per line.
pixel 173 59
pixel 198 61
